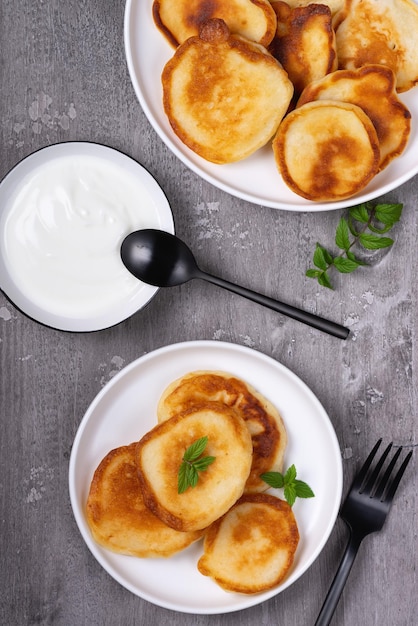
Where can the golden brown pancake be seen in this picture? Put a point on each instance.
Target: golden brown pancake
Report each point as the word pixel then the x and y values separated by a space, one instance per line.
pixel 252 547
pixel 117 516
pixel 373 88
pixel 180 19
pixel 384 33
pixel 224 95
pixel 261 417
pixel 334 5
pixel 159 455
pixel 304 42
pixel 327 150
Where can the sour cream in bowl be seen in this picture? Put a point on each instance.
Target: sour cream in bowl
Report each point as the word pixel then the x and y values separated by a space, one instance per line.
pixel 64 212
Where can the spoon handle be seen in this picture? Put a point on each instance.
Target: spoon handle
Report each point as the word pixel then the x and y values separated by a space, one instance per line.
pixel 286 309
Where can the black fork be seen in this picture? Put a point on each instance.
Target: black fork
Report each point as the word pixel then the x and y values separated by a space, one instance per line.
pixel 364 511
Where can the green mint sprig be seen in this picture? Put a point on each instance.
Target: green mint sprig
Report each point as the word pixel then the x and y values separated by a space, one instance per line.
pixel 193 463
pixel 367 225
pixel 292 488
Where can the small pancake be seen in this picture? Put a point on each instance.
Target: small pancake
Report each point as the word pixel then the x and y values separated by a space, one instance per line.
pixel 252 547
pixel 117 516
pixel 224 96
pixel 373 89
pixel 327 150
pixel 263 420
pixel 304 42
pixel 180 19
pixel 384 32
pixel 159 455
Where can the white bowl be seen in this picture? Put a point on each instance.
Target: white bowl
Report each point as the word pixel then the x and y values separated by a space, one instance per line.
pixel 125 409
pixel 256 178
pixel 100 292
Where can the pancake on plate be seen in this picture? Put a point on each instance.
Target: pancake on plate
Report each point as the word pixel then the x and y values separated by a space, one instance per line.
pixel 379 32
pixel 373 89
pixel 262 418
pixel 304 42
pixel 327 150
pixel 252 547
pixel 180 19
pixel 117 516
pixel 224 95
pixel 159 455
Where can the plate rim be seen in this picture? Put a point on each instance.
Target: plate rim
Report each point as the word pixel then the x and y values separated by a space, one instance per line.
pixel 22 169
pixel 98 552
pixel 182 154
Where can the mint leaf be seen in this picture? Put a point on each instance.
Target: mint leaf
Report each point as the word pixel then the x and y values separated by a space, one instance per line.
pixel 311 273
pixel 359 213
pixel 183 478
pixel 352 257
pixel 303 490
pixel 379 231
pixel 292 487
pixel 193 463
pixel 345 266
pixel 290 475
pixel 342 236
pixel 324 280
pixel 202 464
pixel 290 494
pixel 388 213
pixel 273 479
pixel 372 242
pixel 366 224
pixel 319 257
pixel 193 476
pixel 194 451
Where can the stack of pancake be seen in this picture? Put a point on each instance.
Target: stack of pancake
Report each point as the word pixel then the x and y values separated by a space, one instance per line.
pixel 134 506
pixel 318 79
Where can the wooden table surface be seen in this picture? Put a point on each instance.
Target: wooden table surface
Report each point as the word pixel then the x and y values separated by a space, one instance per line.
pixel 64 78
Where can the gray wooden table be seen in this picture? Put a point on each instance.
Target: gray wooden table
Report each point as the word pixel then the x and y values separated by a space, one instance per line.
pixel 64 77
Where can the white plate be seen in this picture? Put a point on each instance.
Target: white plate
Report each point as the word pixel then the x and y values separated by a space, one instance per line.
pixel 256 178
pixel 161 218
pixel 125 409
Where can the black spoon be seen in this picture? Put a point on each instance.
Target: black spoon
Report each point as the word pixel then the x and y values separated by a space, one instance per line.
pixel 163 260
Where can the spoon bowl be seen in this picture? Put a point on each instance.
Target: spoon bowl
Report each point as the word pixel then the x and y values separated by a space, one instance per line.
pixel 161 259
pixel 158 258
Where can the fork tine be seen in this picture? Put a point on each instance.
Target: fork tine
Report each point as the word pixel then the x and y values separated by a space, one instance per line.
pixel 358 481
pixel 384 481
pixel 370 482
pixel 397 479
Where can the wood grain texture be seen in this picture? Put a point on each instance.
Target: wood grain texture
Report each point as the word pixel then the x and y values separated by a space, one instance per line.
pixel 64 77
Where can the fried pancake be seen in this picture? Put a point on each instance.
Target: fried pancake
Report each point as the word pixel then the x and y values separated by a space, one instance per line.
pixel 327 150
pixel 384 33
pixel 224 96
pixel 117 516
pixel 252 547
pixel 180 19
pixel 159 455
pixel 334 5
pixel 261 417
pixel 372 88
pixel 304 42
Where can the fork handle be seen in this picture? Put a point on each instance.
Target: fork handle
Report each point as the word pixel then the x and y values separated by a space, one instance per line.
pixel 337 586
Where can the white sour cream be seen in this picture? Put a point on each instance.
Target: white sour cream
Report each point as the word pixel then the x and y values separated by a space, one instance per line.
pixel 63 232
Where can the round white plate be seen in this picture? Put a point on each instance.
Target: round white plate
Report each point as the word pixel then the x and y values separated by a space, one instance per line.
pixel 125 409
pixel 162 219
pixel 256 178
